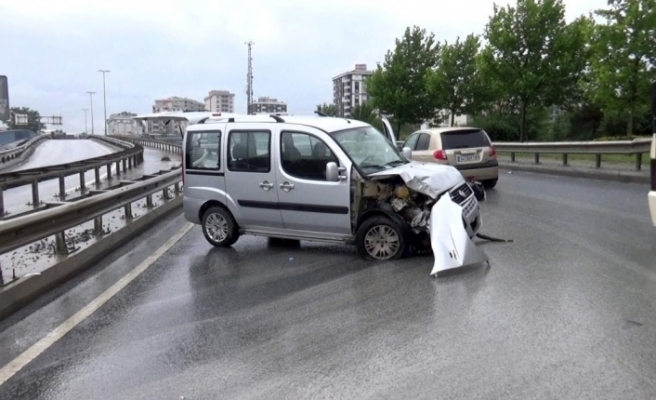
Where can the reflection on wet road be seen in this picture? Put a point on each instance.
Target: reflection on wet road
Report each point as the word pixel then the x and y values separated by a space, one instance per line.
pixel 567 311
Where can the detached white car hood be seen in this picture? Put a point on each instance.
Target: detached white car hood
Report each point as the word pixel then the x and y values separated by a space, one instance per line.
pixel 426 178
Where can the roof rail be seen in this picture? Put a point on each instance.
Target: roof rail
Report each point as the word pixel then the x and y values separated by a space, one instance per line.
pixel 277 118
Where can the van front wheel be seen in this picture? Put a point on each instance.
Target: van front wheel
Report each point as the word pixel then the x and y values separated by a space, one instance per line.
pixel 380 238
pixel 219 228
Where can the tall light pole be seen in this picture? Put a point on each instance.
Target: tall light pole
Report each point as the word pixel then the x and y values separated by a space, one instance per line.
pixel 104 71
pixel 86 128
pixel 91 100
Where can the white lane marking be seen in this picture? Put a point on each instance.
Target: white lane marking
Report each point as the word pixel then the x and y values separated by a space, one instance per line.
pixel 42 345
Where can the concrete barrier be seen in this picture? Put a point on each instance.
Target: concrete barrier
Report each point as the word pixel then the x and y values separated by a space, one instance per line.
pixel 25 290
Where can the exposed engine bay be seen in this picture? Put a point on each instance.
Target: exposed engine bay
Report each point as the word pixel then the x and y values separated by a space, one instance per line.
pixel 394 195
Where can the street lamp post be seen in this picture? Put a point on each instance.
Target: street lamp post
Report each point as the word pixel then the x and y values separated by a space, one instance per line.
pixel 86 127
pixel 91 101
pixel 104 71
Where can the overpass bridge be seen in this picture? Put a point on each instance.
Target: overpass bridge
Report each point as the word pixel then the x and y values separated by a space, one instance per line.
pixel 151 311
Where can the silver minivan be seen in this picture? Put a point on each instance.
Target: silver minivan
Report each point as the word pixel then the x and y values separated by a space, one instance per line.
pixel 315 178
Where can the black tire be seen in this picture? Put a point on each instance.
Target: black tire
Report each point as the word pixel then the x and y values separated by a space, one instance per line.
pixel 214 215
pixel 386 223
pixel 490 183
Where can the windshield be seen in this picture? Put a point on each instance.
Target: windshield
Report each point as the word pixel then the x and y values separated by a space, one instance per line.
pixel 369 149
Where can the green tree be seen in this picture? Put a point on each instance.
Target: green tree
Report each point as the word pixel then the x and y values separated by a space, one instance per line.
pixel 366 112
pixel 534 57
pixel 33 119
pixel 398 87
pixel 328 109
pixel 456 83
pixel 623 61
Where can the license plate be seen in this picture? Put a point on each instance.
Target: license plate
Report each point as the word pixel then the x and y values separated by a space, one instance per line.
pixel 470 157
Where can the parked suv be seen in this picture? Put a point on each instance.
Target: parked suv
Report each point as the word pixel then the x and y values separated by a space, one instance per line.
pixel 470 150
pixel 314 178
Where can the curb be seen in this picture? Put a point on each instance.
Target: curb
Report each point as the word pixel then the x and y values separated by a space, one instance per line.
pixel 23 291
pixel 616 176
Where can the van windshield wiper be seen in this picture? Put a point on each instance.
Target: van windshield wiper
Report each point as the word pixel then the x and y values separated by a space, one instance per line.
pixel 395 162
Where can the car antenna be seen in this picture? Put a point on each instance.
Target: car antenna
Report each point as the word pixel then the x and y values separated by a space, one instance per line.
pixel 277 118
pixel 321 114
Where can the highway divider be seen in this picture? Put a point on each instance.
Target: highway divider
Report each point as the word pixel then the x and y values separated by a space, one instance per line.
pixel 27 230
pixel 130 156
pixel 11 157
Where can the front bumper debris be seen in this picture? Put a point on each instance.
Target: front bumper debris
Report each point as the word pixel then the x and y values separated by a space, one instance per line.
pixel 451 245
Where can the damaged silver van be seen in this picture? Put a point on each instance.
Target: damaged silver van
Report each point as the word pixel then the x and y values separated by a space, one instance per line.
pixel 319 179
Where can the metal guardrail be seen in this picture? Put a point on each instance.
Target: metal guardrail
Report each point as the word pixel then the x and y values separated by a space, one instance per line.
pixel 130 156
pixel 9 155
pixel 25 230
pixel 169 146
pixel 636 147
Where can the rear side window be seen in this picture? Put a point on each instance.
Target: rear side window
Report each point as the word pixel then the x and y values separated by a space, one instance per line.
pixel 203 150
pixel 423 142
pixel 249 151
pixel 463 139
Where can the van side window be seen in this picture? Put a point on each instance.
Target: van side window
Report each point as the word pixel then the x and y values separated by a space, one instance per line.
pixel 203 150
pixel 305 156
pixel 249 151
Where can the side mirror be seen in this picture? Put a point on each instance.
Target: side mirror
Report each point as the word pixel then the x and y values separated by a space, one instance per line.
pixel 332 172
pixel 407 153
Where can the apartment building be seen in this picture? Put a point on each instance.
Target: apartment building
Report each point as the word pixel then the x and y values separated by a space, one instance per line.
pixel 220 101
pixel 350 89
pixel 174 103
pixel 268 105
pixel 122 124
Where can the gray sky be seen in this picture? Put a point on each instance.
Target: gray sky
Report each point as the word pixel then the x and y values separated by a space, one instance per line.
pixel 51 50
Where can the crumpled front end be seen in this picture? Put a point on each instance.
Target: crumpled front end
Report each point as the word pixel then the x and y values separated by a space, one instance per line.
pixel 439 208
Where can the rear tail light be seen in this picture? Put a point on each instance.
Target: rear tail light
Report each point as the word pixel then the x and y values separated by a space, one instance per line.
pixel 493 151
pixel 439 154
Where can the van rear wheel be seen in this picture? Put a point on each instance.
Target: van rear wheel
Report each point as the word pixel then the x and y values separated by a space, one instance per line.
pixel 380 238
pixel 219 227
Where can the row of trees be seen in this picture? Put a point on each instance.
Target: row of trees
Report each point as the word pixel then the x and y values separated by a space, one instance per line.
pixel 596 71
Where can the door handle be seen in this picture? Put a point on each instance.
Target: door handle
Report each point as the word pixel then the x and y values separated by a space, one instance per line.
pixel 286 186
pixel 266 185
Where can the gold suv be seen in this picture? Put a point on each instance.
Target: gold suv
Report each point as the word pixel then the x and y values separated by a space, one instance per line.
pixel 468 149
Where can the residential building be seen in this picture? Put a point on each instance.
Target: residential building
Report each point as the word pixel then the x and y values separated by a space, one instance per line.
pixel 268 105
pixel 350 89
pixel 172 104
pixel 122 124
pixel 220 101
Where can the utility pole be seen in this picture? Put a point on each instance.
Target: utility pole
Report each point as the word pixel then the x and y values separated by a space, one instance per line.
pixel 91 100
pixel 104 97
pixel 86 127
pixel 249 78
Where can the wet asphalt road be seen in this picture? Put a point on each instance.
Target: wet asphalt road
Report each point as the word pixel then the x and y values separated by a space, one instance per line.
pixel 566 312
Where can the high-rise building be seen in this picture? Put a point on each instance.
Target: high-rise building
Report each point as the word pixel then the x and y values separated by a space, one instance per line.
pixel 350 89
pixel 220 101
pixel 172 104
pixel 268 105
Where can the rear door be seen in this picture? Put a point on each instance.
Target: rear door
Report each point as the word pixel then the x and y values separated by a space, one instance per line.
pixel 466 146
pixel 251 183
pixel 422 150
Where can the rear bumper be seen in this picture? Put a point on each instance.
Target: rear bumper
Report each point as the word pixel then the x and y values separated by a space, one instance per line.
pixel 480 172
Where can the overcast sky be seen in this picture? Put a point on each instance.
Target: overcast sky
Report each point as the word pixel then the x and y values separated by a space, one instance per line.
pixel 52 49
